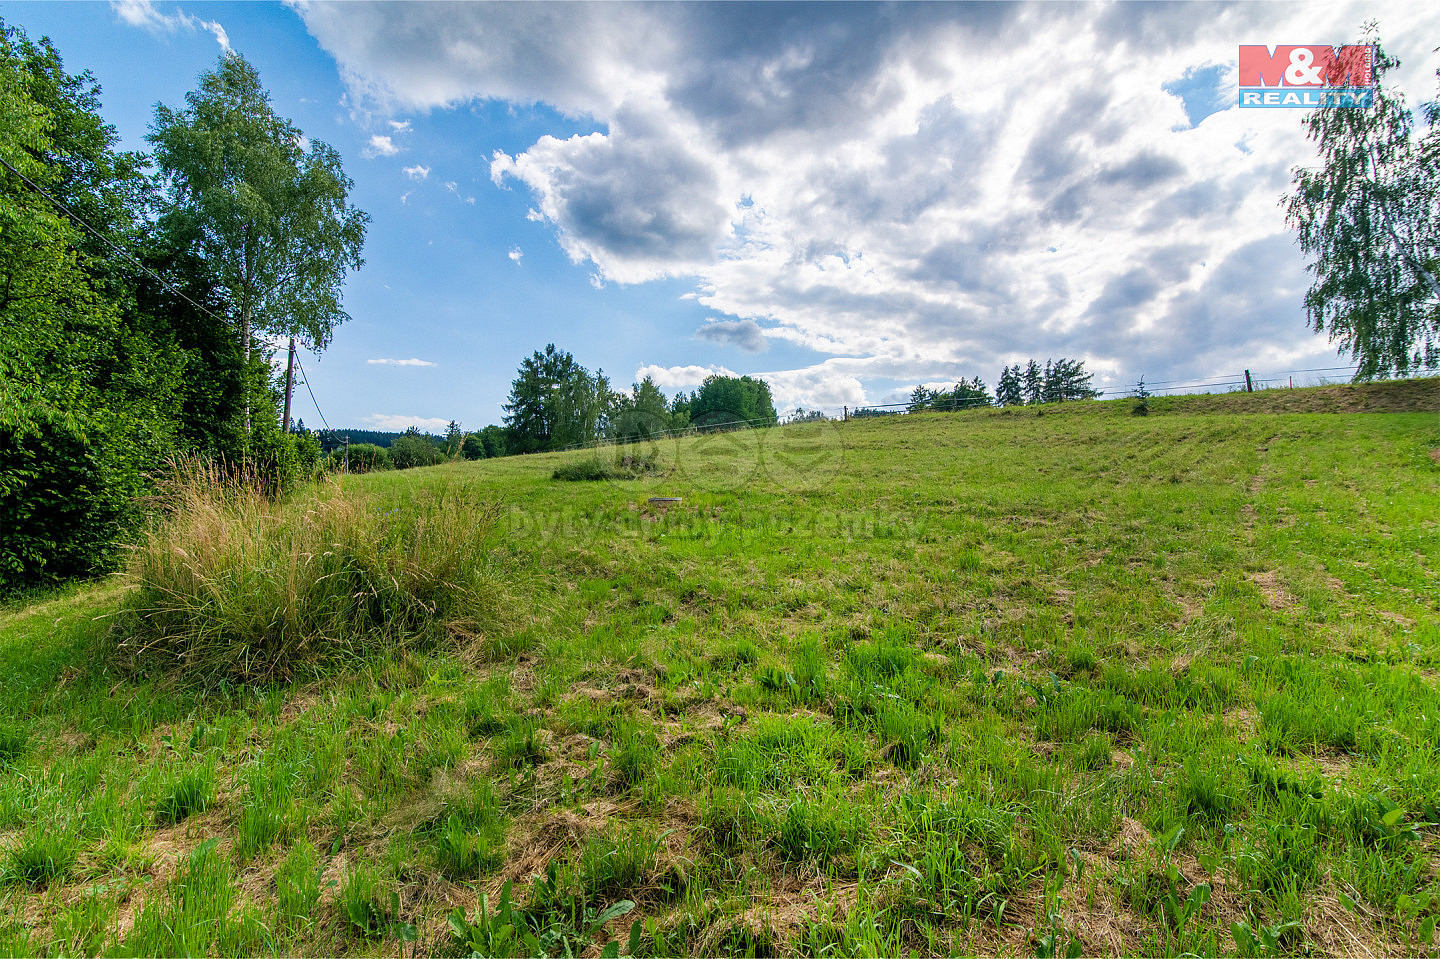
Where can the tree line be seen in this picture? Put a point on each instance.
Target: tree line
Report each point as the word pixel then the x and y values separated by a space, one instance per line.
pixel 555 403
pixel 138 294
pixel 1058 381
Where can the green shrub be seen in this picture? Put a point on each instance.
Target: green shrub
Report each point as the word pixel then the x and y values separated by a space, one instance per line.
pixel 414 450
pixel 621 467
pixel 236 587
pixel 361 457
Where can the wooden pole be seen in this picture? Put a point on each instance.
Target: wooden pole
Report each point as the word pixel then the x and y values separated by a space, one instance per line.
pixel 1249 387
pixel 289 384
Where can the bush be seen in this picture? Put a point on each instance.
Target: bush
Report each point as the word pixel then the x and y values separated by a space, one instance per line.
pixel 414 450
pixel 473 448
pixel 235 586
pixel 622 467
pixel 362 457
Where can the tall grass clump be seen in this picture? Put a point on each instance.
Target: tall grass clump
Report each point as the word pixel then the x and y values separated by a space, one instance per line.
pixel 238 586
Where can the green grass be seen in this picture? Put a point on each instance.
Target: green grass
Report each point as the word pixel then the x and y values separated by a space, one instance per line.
pixel 991 682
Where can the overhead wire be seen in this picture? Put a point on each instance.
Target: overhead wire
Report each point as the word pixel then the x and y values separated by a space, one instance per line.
pixel 60 205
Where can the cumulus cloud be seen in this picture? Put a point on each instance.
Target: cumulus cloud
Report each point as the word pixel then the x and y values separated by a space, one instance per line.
pixel 915 193
pixel 679 377
pixel 399 422
pixel 380 146
pixel 515 254
pixel 416 172
pixel 144 14
pixel 742 334
pixel 410 362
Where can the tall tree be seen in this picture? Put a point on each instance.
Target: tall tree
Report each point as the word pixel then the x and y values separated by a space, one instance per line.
pixel 1007 391
pixel 1369 220
pixel 921 398
pixel 1032 385
pixel 266 210
pixel 643 413
pixel 1066 380
pixel 724 401
pixel 555 402
pixel 87 397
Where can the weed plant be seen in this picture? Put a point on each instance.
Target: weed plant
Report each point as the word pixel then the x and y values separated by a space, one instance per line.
pixel 239 586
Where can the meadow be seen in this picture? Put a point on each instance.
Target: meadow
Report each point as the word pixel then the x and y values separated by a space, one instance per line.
pixel 1044 682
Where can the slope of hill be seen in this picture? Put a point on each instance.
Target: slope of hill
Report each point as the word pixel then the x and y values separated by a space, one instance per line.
pixel 981 683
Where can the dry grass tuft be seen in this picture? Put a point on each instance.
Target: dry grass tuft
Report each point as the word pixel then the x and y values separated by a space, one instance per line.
pixel 236 586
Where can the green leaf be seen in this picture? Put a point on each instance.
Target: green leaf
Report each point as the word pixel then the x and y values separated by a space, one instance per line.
pixel 1392 817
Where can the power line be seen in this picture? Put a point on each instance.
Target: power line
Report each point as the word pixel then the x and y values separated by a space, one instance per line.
pixel 106 240
pixel 305 378
pixel 149 272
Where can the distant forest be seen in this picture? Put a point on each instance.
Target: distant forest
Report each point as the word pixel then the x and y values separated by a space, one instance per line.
pixel 335 439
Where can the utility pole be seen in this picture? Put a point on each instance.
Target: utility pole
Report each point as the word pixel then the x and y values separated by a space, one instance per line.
pixel 289 383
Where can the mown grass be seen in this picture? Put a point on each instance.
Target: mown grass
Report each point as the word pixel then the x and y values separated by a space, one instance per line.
pixel 979 683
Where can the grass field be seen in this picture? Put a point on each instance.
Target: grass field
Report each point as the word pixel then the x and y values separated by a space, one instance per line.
pixel 1041 682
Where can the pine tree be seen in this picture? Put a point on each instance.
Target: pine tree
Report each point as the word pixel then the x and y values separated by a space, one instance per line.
pixel 1007 392
pixel 1033 386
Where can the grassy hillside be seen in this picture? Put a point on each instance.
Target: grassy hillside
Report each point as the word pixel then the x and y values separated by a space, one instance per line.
pixel 1026 682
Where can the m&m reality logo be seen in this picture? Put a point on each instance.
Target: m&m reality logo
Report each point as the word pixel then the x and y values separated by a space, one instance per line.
pixel 1307 76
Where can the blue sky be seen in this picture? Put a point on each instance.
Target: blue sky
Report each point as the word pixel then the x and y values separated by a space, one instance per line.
pixel 847 199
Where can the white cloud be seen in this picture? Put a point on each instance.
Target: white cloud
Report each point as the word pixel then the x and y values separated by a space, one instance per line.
pixel 144 14
pixel 399 422
pixel 409 362
pixel 416 172
pixel 380 146
pixel 918 193
pixel 399 126
pixel 515 254
pixel 671 377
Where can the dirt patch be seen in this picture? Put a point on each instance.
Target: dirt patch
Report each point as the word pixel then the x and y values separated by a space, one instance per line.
pixel 1243 720
pixel 1276 596
pixel 1132 840
pixel 772 926
pixel 1435 456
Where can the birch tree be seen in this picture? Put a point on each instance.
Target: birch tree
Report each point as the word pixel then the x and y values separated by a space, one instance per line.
pixel 1369 220
pixel 267 209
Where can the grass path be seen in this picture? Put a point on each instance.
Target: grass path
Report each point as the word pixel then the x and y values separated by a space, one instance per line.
pixel 998 683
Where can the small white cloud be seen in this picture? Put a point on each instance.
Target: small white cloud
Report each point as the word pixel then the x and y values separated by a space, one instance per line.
pixel 453 187
pixel 143 14
pixel 399 126
pixel 405 197
pixel 470 200
pixel 380 146
pixel 516 253
pixel 416 172
pixel 409 362
pixel 670 377
pixel 395 422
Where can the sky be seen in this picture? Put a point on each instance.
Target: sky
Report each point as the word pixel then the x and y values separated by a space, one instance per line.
pixel 846 200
